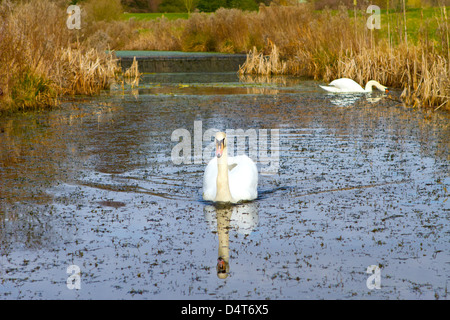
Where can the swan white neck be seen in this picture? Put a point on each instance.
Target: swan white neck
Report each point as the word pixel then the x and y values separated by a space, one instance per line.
pixel 373 83
pixel 223 187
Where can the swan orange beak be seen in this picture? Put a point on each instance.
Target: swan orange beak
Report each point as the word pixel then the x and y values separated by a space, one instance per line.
pixel 386 90
pixel 219 148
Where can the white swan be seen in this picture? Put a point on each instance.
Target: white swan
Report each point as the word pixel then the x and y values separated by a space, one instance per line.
pixel 348 85
pixel 229 179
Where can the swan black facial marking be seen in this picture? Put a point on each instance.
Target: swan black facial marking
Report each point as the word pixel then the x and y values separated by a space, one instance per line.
pixel 221 142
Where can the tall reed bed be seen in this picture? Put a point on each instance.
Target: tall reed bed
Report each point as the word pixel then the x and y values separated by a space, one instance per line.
pixel 26 54
pixel 423 77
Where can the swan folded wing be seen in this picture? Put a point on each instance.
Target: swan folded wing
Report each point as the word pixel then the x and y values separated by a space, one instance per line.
pixel 347 85
pixel 330 89
pixel 243 178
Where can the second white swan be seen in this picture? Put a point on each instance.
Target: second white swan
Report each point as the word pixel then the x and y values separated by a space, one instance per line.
pixel 349 85
pixel 229 179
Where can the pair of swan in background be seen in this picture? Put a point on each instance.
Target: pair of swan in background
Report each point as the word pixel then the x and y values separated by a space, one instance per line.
pixel 229 179
pixel 349 85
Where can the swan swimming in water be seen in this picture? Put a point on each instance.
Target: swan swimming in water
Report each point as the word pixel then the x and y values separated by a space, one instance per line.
pixel 229 179
pixel 348 85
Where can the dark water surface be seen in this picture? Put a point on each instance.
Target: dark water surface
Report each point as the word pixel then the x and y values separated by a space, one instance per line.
pixel 358 181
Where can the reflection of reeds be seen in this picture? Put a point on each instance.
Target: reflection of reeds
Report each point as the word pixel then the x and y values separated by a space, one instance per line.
pixel 258 78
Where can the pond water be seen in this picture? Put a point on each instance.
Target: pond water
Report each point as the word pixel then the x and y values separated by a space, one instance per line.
pixel 346 182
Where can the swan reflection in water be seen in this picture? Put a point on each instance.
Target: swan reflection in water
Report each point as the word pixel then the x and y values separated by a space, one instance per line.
pixel 242 218
pixel 348 100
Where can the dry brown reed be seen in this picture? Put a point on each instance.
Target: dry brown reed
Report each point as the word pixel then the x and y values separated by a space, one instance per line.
pixel 422 76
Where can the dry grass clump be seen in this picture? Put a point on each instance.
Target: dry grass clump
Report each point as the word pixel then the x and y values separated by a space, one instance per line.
pixel 106 35
pixel 85 72
pixel 258 63
pixel 102 10
pixel 227 30
pixel 102 27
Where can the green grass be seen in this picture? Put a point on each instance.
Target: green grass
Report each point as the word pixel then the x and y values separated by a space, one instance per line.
pixel 418 22
pixel 413 19
pixel 156 15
